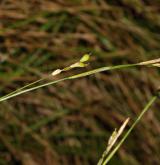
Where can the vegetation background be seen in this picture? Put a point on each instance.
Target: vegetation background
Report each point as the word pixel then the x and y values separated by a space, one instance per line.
pixel 69 123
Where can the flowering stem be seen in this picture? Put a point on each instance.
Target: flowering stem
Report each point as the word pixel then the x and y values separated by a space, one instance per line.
pixel 24 90
pixel 146 108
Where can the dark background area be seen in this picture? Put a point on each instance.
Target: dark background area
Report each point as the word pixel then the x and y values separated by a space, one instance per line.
pixel 70 122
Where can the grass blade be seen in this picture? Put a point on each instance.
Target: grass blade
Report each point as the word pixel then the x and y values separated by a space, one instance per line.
pixel 17 92
pixel 146 108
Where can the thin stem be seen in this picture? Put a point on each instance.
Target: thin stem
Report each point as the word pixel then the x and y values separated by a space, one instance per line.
pixel 107 68
pixel 146 108
pixel 17 92
pixel 19 89
pixel 31 89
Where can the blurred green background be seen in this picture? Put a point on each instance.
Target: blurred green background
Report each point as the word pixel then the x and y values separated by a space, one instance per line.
pixel 70 122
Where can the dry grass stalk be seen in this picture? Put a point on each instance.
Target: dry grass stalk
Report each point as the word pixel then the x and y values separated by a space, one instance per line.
pixel 154 62
pixel 112 140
